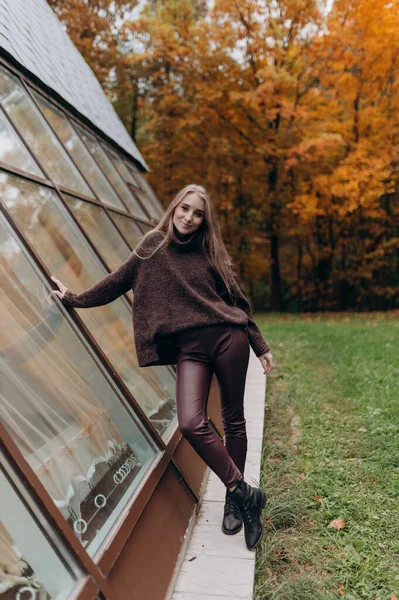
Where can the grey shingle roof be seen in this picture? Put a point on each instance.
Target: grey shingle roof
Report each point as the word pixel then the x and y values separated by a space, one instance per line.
pixel 32 34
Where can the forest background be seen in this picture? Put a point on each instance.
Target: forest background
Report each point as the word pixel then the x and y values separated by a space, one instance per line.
pixel 287 111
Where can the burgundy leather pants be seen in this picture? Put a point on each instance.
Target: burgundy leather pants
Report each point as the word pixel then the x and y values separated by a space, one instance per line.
pixel 223 350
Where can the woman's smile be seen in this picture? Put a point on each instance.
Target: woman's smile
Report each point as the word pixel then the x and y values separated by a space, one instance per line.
pixel 193 207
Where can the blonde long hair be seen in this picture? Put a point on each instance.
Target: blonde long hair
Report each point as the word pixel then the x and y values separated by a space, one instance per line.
pixel 212 244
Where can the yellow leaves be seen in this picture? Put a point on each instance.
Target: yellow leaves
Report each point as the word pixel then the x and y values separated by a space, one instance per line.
pixel 337 524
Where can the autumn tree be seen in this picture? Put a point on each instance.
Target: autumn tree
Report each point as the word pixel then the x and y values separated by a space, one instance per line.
pixel 346 181
pixel 95 28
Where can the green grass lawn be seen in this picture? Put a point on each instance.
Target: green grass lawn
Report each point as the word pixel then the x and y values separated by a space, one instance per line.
pixel 331 451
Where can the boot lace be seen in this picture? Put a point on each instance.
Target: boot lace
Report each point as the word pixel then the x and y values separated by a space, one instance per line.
pixel 248 513
pixel 231 508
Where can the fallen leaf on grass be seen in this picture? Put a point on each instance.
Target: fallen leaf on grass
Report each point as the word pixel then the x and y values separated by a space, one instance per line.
pixel 318 498
pixel 394 597
pixel 301 476
pixel 337 524
pixel 341 589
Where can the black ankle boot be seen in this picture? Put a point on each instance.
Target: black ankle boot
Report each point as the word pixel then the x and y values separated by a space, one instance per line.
pixel 251 501
pixel 232 519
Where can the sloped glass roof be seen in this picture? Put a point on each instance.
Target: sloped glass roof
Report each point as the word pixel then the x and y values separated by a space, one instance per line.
pixel 32 34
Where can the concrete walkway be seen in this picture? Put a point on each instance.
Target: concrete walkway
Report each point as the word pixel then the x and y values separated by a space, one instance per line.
pixel 217 566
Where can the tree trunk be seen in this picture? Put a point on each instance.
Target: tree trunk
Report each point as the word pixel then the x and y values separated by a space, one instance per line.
pixel 133 126
pixel 276 293
pixel 276 296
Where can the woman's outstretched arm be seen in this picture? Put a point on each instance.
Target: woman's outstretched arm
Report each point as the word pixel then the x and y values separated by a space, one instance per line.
pixel 112 286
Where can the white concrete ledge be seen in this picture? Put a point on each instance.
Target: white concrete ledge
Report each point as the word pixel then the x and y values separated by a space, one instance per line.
pixel 217 566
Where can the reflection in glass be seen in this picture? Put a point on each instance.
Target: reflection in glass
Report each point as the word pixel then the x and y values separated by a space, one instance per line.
pixel 129 228
pixel 107 167
pixel 31 567
pixel 60 244
pixel 101 231
pixel 79 152
pixel 41 140
pixel 12 150
pixel 55 401
pixel 123 171
pixel 17 578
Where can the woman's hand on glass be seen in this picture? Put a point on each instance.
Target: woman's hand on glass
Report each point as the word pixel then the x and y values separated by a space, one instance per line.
pixel 267 362
pixel 62 289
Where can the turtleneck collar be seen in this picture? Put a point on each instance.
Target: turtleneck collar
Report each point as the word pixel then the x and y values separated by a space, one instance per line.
pixel 184 242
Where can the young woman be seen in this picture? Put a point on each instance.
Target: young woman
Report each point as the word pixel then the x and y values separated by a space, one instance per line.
pixel 188 310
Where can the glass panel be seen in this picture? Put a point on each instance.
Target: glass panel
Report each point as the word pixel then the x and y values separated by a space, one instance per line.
pixel 129 228
pixel 41 140
pixel 148 202
pixel 87 449
pixel 58 241
pixel 79 153
pixel 147 189
pixel 107 168
pixel 145 227
pixel 12 150
pixel 101 231
pixel 30 567
pixel 123 171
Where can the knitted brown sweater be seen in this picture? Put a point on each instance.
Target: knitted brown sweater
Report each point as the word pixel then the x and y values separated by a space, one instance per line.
pixel 174 290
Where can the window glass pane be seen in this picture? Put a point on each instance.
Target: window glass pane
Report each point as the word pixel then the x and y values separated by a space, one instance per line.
pixel 101 231
pixel 148 203
pixel 60 244
pixel 86 447
pixel 79 153
pixel 123 171
pixel 30 567
pixel 129 228
pixel 145 227
pixel 37 134
pixel 107 167
pixel 12 150
pixel 147 189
